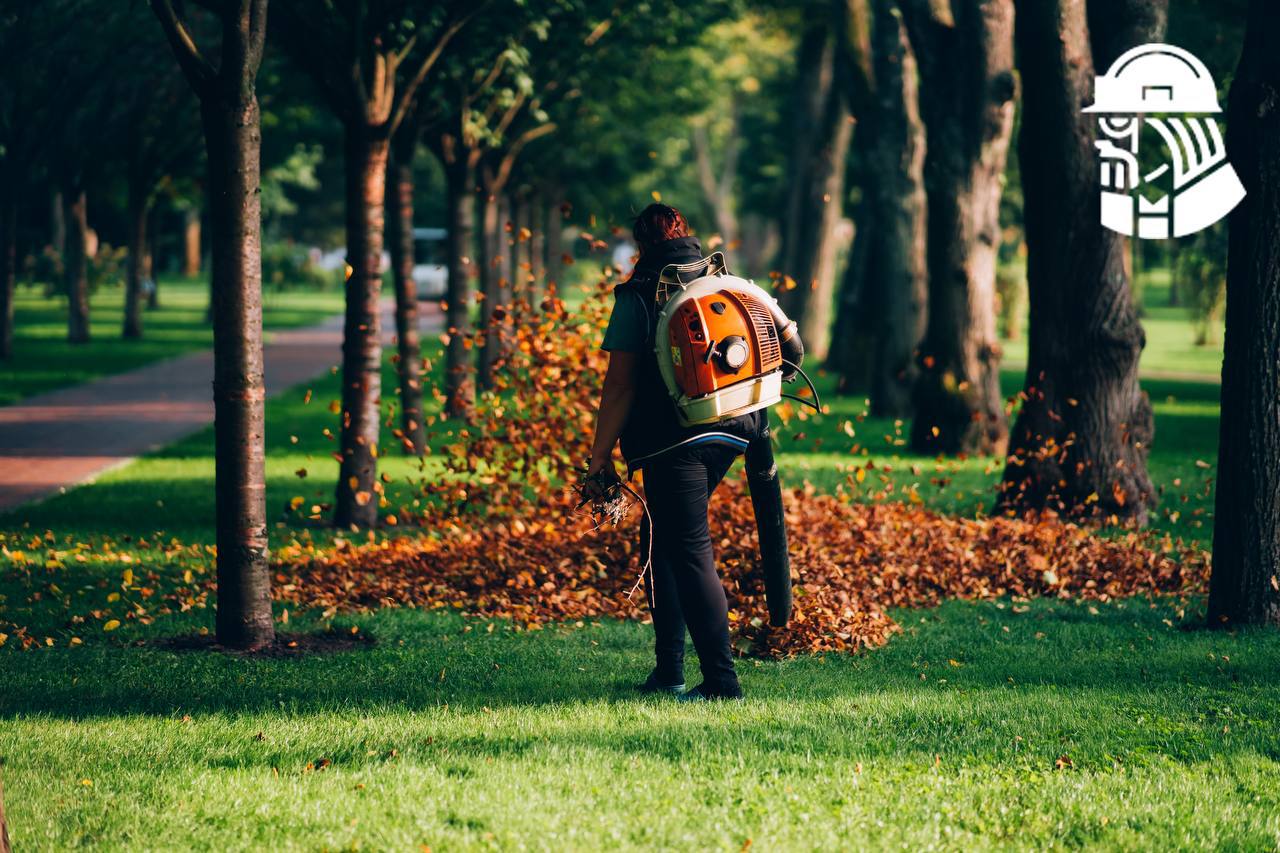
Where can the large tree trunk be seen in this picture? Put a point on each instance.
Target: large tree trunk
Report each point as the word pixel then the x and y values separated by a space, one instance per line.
pixel 8 268
pixel 409 349
pixel 233 137
pixel 1245 586
pixel 191 242
pixel 77 266
pixel 822 133
pixel 967 88
pixel 1080 443
pixel 358 489
pixel 459 389
pixel 886 284
pixel 139 262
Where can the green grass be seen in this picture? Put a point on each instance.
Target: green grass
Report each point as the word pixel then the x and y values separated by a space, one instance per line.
pixel 1171 350
pixel 44 361
pixel 459 733
pixel 447 735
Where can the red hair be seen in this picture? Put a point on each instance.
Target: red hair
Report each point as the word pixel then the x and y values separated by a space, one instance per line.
pixel 658 223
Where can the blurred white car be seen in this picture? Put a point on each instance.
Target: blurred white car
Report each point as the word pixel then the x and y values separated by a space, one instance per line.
pixel 430 258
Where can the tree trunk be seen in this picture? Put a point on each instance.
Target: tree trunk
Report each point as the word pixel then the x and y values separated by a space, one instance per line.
pixel 77 267
pixel 1079 446
pixel 555 241
pixel 139 262
pixel 58 224
pixel 814 208
pixel 4 825
pixel 459 390
pixel 494 281
pixel 521 256
pixel 8 268
pixel 358 489
pixel 967 89
pixel 233 138
pixel 537 247
pixel 886 284
pixel 191 242
pixel 409 349
pixel 1245 586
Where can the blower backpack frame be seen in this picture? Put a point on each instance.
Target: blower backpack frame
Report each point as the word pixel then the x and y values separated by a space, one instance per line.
pixel 724 348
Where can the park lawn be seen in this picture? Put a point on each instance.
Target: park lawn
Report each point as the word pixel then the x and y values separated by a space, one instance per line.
pixel 1035 724
pixel 985 725
pixel 44 361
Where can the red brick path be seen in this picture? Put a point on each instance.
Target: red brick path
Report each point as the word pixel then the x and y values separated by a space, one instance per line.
pixel 51 442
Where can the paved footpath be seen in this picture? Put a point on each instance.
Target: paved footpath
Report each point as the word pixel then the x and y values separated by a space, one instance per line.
pixel 53 441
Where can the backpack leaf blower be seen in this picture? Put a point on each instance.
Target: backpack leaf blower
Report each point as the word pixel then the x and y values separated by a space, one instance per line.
pixel 724 347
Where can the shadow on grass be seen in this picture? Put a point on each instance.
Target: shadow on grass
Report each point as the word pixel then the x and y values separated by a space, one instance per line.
pixel 1125 652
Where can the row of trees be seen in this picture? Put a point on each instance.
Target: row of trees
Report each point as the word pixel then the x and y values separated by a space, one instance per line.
pixel 919 96
pixel 479 84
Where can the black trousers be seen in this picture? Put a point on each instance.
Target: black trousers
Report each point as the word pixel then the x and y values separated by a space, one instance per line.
pixel 684 587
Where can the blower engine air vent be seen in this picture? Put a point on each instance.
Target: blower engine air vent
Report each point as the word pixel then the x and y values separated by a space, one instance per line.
pixel 766 334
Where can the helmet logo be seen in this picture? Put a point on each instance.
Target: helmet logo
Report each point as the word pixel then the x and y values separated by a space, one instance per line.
pixel 1192 186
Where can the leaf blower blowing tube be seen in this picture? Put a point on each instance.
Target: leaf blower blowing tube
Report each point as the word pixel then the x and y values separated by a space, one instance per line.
pixel 766 501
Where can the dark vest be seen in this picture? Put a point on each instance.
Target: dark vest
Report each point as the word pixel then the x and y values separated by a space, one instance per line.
pixel 653 424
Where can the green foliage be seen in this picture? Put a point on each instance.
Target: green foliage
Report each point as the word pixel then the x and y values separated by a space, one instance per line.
pixel 288 266
pixel 1200 274
pixel 106 266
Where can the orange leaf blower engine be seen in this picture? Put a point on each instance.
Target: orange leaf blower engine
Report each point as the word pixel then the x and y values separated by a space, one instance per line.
pixel 723 344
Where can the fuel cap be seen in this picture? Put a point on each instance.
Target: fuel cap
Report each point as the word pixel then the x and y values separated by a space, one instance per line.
pixel 735 352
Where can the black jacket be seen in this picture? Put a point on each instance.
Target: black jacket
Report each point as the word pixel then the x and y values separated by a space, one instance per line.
pixel 653 425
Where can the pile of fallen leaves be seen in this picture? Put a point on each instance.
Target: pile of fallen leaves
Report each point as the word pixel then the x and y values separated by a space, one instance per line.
pixel 850 563
pixel 503 540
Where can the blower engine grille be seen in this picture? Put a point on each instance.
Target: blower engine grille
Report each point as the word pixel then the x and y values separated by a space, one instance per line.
pixel 766 332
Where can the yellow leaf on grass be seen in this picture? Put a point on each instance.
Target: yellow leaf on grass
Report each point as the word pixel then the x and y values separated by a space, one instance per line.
pixel 128 577
pixel 111 625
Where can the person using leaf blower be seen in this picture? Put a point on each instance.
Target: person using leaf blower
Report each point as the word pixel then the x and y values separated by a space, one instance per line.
pixel 696 356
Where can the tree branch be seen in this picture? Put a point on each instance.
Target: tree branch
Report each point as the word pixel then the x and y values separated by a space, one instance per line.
pixel 410 88
pixel 199 72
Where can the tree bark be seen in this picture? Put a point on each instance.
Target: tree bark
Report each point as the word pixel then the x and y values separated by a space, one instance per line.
pixel 191 242
pixel 356 503
pixel 967 89
pixel 1245 585
pixel 555 240
pixel 233 135
pixel 58 224
pixel 409 348
pixel 537 247
pixel 233 141
pixel 495 287
pixel 459 389
pixel 76 265
pixel 1080 444
pixel 521 255
pixel 822 135
pixel 4 825
pixel 139 262
pixel 8 268
pixel 885 290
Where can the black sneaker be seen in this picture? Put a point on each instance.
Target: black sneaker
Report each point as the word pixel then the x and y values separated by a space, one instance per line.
pixel 653 685
pixel 704 693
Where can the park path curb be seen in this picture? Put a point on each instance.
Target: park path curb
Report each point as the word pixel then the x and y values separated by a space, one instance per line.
pixel 55 441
